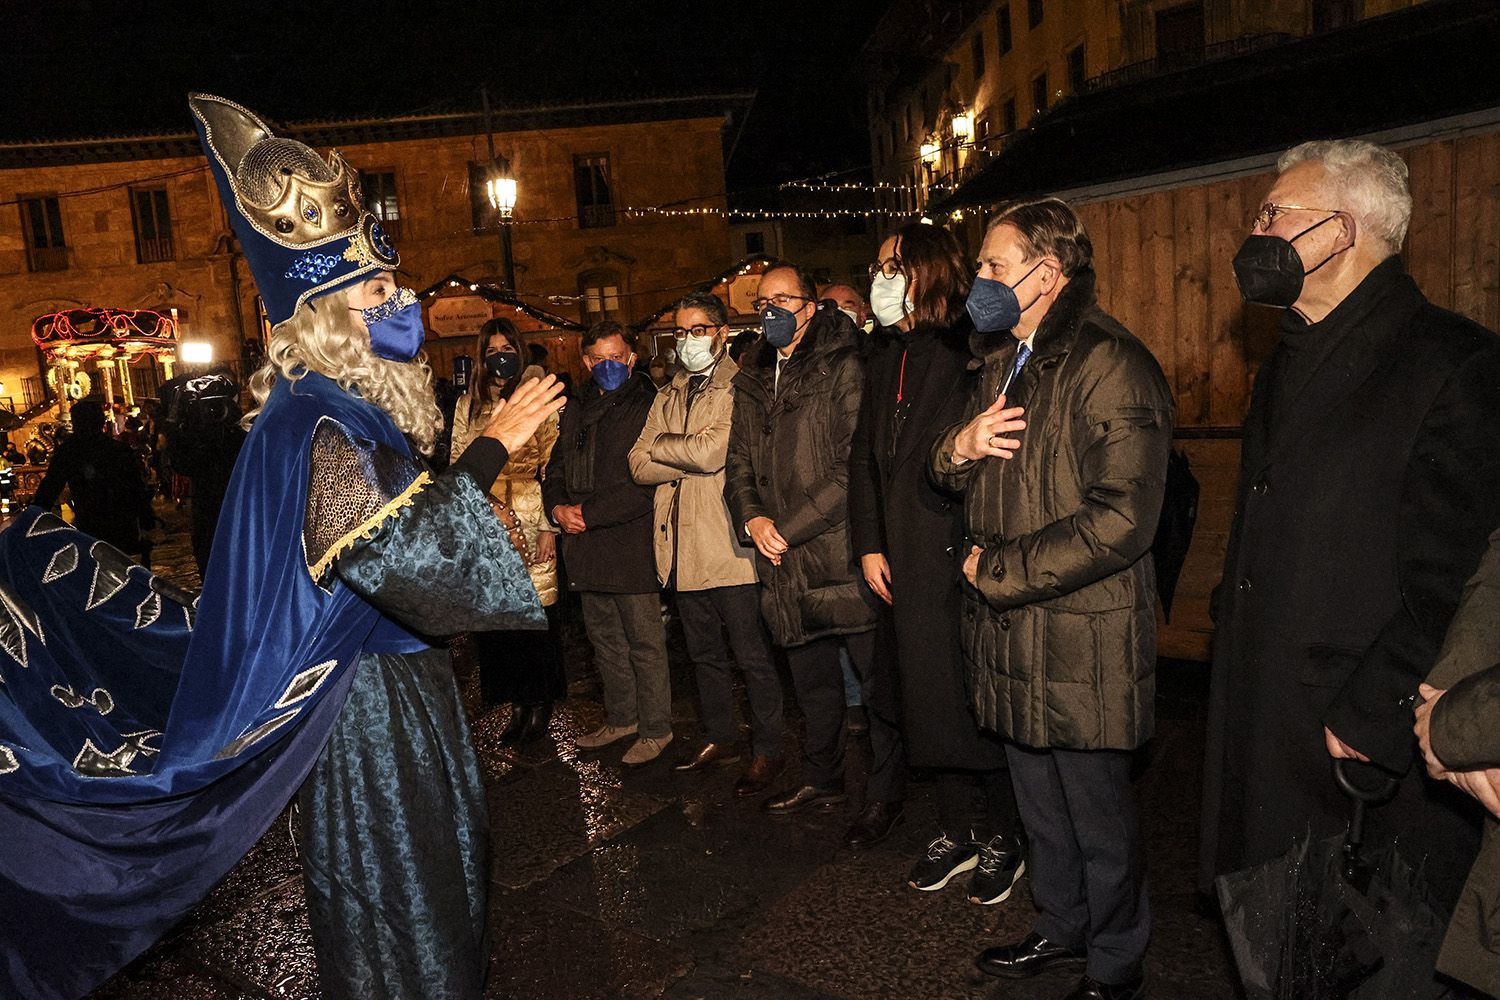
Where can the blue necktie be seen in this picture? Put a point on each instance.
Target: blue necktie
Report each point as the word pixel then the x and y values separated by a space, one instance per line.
pixel 1022 356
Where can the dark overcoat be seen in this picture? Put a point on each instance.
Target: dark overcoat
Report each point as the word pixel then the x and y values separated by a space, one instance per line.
pixel 789 461
pixel 896 510
pixel 615 555
pixel 1059 635
pixel 1357 522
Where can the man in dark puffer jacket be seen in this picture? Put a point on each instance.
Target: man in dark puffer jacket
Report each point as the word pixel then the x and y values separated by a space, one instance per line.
pixel 796 403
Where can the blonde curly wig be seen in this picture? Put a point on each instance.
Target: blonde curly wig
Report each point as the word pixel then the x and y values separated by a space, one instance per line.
pixel 323 336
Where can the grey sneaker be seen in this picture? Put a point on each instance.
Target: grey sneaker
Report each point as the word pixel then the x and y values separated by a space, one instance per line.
pixel 645 750
pixel 1001 865
pixel 603 736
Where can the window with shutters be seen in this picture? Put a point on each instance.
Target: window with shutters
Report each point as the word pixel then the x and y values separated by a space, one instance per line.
pixel 153 224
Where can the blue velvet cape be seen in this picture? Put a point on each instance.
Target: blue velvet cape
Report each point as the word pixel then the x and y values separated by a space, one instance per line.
pixel 146 743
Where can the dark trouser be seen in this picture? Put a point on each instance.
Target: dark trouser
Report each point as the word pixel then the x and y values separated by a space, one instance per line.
pixel 630 653
pixel 819 681
pixel 522 666
pixel 707 616
pixel 993 815
pixel 1088 876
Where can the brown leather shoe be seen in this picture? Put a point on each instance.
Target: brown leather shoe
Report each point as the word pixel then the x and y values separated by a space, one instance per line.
pixel 711 753
pixel 758 776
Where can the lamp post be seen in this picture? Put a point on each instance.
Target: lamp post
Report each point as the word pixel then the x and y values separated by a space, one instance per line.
pixel 500 188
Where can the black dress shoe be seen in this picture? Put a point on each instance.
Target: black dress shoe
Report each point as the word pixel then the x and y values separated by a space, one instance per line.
pixel 758 776
pixel 709 753
pixel 873 825
pixel 528 723
pixel 537 722
pixel 1026 958
pixel 1089 988
pixel 800 799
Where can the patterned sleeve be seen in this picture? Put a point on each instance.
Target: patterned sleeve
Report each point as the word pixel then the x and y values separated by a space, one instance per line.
pixel 427 551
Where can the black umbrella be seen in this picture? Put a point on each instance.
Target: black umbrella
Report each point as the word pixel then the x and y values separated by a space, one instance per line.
pixel 1330 920
pixel 1174 529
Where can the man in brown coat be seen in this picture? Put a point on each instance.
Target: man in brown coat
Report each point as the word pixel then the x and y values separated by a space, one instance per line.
pixel 1059 613
pixel 1456 725
pixel 681 451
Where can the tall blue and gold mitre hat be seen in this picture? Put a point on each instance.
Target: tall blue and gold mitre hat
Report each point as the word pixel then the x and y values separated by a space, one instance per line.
pixel 300 219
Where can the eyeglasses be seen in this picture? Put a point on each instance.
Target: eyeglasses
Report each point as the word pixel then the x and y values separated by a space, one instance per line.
pixel 890 267
pixel 782 301
pixel 1265 217
pixel 700 329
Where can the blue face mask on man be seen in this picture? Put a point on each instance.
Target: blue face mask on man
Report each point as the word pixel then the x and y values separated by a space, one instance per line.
pixel 396 330
pixel 610 375
pixel 993 305
pixel 779 325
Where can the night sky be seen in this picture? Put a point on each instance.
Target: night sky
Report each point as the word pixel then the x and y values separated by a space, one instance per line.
pixel 75 68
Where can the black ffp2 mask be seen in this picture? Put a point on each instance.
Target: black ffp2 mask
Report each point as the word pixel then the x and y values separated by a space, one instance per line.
pixel 1269 270
pixel 503 364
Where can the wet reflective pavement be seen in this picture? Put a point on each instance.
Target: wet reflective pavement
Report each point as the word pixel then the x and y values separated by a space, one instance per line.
pixel 637 883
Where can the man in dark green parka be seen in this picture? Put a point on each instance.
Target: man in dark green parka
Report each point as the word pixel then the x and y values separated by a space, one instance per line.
pixel 1059 627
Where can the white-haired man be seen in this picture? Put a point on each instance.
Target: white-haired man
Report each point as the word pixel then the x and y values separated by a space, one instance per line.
pixel 1369 481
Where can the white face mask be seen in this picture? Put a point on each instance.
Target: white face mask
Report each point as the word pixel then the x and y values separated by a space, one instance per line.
pixel 853 316
pixel 888 299
pixel 696 354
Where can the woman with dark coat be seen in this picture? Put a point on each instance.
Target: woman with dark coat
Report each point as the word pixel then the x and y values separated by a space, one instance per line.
pixel 908 535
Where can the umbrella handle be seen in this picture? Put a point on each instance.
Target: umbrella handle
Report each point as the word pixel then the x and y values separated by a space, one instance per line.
pixel 1354 869
pixel 1379 795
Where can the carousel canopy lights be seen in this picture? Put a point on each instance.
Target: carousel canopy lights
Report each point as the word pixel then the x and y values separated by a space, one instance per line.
pixel 79 334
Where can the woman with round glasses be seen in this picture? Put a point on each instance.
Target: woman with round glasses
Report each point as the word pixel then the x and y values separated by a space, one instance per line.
pixel 908 536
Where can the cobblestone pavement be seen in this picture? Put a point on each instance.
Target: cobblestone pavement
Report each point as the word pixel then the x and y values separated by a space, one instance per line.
pixel 645 883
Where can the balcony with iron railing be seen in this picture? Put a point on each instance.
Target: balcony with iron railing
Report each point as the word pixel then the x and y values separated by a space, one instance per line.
pixel 596 216
pixel 1169 62
pixel 47 258
pixel 155 251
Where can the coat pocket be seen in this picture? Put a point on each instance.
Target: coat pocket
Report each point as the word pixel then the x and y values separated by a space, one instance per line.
pixel 1329 666
pixel 841 606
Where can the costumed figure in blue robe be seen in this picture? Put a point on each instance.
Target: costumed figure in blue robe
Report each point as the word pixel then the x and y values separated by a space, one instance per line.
pixel 149 737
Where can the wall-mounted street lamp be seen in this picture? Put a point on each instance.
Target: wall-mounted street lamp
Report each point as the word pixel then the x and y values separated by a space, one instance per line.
pixel 962 126
pixel 929 151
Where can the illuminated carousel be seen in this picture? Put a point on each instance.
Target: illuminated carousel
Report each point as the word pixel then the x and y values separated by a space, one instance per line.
pixel 87 349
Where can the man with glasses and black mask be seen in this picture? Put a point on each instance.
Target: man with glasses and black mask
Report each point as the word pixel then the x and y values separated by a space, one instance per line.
pixel 795 408
pixel 605 519
pixel 682 452
pixel 1369 481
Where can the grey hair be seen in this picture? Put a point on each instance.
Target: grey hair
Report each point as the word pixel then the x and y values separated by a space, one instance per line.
pixel 1371 177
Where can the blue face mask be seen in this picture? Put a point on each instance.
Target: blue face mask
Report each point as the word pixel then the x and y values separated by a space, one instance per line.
pixel 779 325
pixel 396 331
pixel 610 375
pixel 993 305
